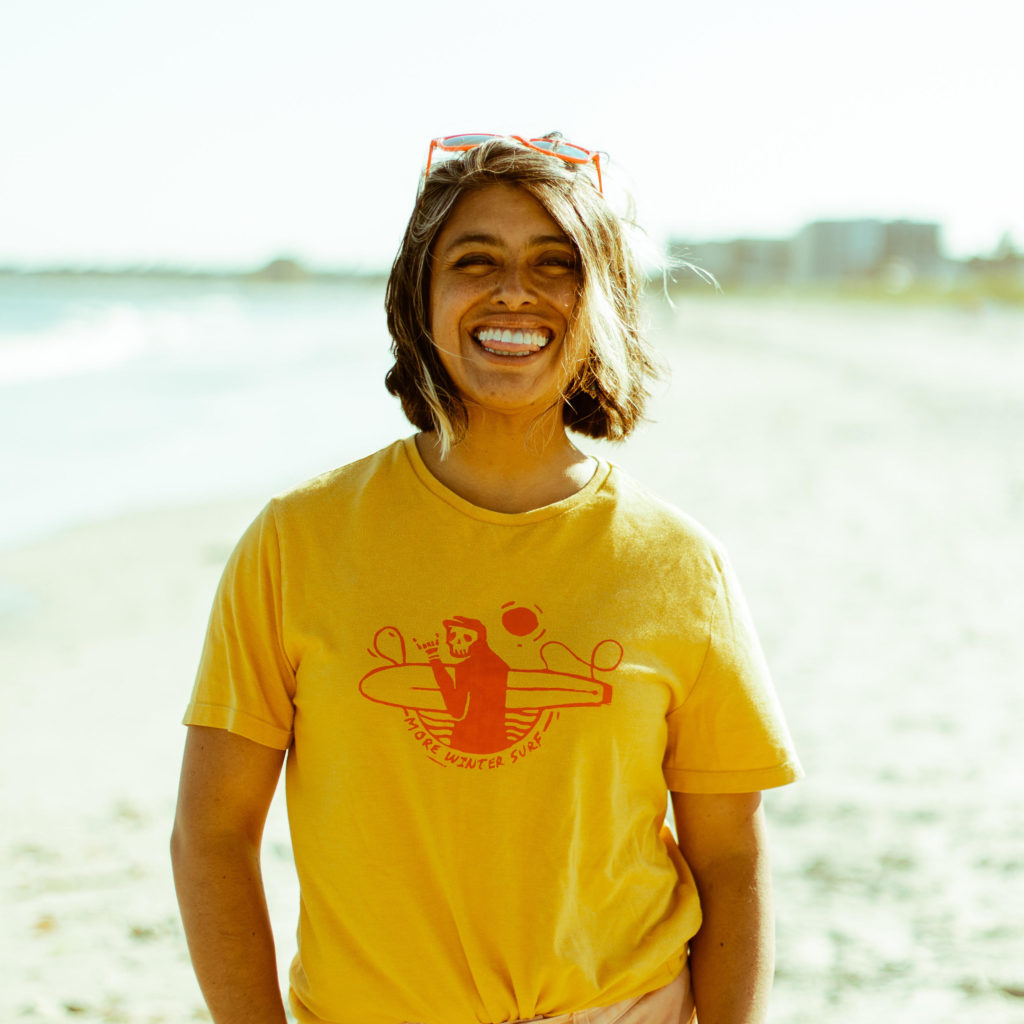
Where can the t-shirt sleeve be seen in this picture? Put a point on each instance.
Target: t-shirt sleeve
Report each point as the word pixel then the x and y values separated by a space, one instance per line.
pixel 729 734
pixel 245 682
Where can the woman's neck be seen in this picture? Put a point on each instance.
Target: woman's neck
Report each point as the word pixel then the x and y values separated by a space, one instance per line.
pixel 507 470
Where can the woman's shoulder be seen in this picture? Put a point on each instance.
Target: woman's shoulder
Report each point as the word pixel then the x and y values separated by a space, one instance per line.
pixel 662 553
pixel 331 490
pixel 659 522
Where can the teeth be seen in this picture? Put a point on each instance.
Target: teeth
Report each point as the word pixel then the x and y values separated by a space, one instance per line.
pixel 535 339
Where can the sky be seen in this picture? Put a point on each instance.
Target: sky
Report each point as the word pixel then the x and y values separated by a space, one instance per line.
pixel 223 134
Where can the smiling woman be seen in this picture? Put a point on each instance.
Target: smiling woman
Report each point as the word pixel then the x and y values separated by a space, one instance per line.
pixel 481 738
pixel 607 364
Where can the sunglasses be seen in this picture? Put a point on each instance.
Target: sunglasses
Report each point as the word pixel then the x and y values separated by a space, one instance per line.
pixel 557 147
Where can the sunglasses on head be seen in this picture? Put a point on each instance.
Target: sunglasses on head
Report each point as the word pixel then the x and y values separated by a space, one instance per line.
pixel 550 146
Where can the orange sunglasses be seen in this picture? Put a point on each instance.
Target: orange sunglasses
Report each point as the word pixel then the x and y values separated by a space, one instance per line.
pixel 553 146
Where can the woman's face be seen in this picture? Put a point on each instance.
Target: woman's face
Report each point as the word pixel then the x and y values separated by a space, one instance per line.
pixel 503 286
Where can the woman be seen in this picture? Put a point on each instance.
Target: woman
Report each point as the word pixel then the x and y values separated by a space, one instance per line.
pixel 489 658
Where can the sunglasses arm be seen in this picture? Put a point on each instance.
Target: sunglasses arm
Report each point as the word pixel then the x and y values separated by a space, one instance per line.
pixel 430 157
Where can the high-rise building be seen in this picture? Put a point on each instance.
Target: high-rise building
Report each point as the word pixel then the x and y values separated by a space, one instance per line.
pixel 915 242
pixel 836 249
pixel 829 250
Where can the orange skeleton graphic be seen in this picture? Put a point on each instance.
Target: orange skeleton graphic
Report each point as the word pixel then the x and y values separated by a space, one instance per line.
pixel 480 691
pixel 475 694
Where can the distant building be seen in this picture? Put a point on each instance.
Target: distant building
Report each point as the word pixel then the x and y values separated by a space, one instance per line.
pixel 742 261
pixel 895 252
pixel 919 243
pixel 834 250
pixel 829 250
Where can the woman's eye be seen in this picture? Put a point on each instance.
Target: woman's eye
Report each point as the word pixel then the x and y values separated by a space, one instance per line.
pixel 558 262
pixel 473 259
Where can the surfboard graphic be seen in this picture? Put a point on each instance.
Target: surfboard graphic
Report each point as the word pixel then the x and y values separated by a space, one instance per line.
pixel 474 701
pixel 413 686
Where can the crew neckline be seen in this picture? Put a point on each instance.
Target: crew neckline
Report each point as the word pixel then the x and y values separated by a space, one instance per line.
pixel 534 515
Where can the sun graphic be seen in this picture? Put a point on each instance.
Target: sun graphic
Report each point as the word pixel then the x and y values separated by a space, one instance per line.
pixel 522 621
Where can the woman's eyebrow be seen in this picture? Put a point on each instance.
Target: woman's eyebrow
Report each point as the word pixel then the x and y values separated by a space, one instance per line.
pixel 482 238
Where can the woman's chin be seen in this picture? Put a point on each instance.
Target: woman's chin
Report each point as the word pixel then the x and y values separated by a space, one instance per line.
pixel 508 404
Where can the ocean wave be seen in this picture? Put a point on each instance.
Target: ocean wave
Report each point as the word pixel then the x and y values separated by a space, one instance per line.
pixel 75 346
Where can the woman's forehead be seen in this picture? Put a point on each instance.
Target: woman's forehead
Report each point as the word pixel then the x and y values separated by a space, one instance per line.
pixel 500 214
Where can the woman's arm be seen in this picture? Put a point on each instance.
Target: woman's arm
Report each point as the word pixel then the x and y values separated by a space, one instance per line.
pixel 732 957
pixel 227 783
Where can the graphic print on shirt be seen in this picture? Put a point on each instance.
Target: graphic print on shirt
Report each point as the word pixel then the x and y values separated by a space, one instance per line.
pixel 460 697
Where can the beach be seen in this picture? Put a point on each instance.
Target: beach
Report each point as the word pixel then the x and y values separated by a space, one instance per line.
pixel 863 463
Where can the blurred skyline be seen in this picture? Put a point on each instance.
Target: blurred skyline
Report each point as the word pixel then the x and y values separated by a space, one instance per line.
pixel 223 134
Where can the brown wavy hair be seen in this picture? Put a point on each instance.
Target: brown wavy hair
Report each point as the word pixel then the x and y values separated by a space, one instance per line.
pixel 609 366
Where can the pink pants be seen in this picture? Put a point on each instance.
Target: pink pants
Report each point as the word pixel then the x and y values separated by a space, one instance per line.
pixel 672 1004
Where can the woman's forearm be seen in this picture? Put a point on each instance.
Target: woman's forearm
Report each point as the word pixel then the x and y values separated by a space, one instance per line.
pixel 732 957
pixel 224 910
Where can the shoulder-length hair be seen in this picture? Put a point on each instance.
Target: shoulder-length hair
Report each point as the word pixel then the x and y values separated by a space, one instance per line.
pixel 609 366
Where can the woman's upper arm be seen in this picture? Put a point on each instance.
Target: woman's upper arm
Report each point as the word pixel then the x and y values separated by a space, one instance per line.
pixel 227 784
pixel 713 828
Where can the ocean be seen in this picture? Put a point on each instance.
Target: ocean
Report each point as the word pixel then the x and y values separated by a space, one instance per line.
pixel 117 394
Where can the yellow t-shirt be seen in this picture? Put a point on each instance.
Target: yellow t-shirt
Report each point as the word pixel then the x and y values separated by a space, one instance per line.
pixel 482 712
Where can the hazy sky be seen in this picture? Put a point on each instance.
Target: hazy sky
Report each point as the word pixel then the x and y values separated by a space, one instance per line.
pixel 217 132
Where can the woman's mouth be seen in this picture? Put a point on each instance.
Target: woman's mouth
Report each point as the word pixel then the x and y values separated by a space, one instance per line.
pixel 501 341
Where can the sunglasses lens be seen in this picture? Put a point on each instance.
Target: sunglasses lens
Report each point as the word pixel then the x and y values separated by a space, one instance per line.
pixel 556 147
pixel 458 141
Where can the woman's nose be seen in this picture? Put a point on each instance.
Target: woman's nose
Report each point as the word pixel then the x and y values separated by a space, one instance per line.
pixel 512 288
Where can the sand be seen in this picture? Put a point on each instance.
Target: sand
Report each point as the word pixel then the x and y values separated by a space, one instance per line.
pixel 864 466
pixel 98 650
